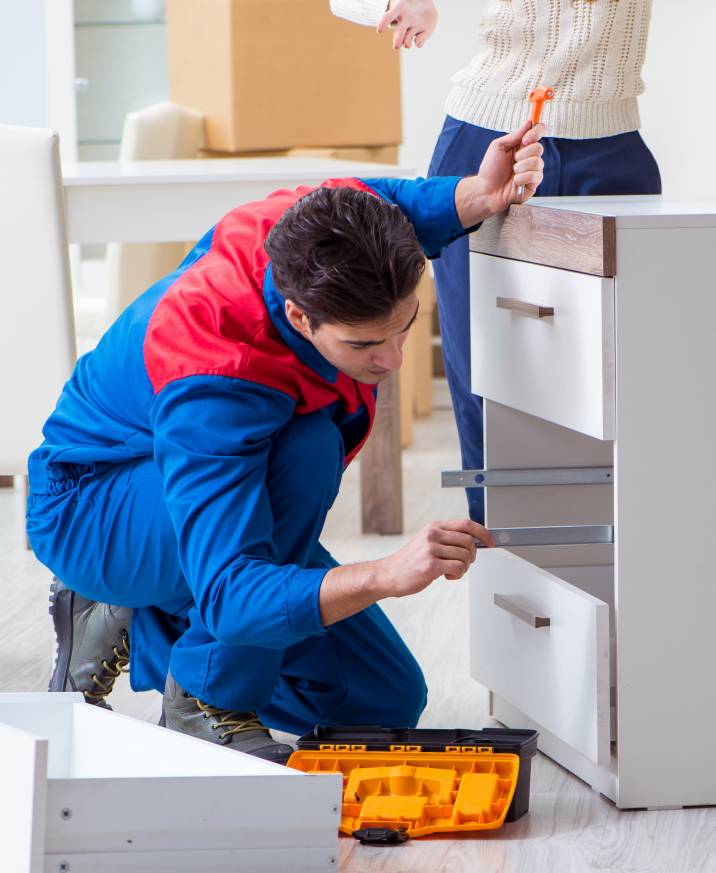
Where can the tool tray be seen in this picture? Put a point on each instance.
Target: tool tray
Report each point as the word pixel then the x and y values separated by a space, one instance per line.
pixel 423 781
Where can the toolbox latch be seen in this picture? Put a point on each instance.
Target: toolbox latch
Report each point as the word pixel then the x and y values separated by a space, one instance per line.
pixel 403 748
pixel 381 836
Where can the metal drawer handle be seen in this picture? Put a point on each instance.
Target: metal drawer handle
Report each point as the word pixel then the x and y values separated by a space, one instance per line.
pixel 534 310
pixel 508 604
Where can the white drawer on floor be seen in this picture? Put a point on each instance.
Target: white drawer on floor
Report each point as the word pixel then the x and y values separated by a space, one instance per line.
pixel 558 674
pixel 88 790
pixel 558 366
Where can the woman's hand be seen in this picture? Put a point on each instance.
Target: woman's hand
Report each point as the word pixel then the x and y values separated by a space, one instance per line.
pixel 413 21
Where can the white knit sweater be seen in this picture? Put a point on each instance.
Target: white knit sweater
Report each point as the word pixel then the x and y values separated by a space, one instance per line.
pixel 590 51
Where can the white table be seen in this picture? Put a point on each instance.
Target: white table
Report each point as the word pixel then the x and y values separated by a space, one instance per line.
pixel 173 201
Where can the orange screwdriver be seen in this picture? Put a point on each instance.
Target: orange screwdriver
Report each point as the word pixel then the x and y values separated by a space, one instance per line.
pixel 537 99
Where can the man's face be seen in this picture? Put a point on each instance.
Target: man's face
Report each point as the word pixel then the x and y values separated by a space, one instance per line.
pixel 367 352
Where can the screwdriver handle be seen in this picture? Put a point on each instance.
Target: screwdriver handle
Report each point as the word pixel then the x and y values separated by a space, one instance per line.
pixel 537 100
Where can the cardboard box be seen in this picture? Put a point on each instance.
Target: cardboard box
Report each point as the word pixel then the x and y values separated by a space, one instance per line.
pixel 386 154
pixel 278 74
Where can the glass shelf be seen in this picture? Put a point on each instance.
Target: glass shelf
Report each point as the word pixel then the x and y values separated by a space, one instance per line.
pixel 152 22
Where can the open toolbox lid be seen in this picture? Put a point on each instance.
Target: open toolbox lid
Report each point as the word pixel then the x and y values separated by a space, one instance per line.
pixel 380 739
pixel 422 781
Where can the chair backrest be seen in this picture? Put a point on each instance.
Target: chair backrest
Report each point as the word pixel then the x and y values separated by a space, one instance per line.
pixel 162 131
pixel 37 346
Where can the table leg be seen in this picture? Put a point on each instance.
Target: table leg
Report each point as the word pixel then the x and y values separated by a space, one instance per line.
pixel 381 473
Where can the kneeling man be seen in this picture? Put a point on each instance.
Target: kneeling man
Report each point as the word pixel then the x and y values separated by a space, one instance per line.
pixel 188 467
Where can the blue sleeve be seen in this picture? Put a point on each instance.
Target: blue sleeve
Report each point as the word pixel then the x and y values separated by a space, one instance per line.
pixel 429 205
pixel 212 442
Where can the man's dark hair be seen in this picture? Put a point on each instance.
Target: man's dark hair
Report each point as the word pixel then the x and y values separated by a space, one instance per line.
pixel 344 256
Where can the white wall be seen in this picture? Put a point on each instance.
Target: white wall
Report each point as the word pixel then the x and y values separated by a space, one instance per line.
pixel 678 109
pixel 36 67
pixel 426 77
pixel 22 63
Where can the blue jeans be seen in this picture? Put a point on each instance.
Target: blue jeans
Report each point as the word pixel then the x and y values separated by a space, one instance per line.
pixel 105 531
pixel 611 165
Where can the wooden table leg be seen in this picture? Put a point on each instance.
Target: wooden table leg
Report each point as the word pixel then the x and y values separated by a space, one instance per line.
pixel 26 484
pixel 7 481
pixel 381 472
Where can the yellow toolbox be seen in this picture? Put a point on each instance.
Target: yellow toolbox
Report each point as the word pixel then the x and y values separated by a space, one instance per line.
pixel 401 783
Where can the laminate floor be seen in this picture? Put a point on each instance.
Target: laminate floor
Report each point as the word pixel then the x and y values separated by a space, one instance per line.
pixel 569 828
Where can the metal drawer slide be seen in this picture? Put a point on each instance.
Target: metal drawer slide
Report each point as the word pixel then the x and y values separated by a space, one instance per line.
pixel 549 476
pixel 560 535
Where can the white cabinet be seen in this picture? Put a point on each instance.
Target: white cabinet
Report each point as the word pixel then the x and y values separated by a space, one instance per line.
pixel 80 65
pixel 620 374
pixel 120 66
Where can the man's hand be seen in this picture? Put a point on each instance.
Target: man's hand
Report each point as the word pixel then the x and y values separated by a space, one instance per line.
pixel 443 548
pixel 413 21
pixel 510 161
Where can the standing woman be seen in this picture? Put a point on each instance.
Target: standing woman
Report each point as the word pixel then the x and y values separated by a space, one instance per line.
pixel 591 52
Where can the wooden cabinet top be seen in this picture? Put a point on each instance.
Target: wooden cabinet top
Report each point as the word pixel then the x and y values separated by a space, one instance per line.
pixel 580 233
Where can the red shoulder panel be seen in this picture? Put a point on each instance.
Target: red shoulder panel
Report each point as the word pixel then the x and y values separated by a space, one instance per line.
pixel 213 321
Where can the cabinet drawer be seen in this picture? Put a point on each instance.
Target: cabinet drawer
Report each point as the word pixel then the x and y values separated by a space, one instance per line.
pixel 558 675
pixel 558 366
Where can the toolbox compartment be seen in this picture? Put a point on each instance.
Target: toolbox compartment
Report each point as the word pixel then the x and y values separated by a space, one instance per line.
pixel 445 779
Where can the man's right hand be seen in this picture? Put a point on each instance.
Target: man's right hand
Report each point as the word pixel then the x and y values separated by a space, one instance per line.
pixel 413 22
pixel 441 548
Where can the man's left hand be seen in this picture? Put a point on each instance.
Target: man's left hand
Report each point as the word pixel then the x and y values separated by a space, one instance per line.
pixel 510 161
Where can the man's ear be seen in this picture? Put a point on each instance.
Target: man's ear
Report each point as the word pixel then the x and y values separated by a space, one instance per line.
pixel 297 318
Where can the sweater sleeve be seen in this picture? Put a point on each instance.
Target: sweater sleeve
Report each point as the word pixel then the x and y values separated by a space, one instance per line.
pixel 429 204
pixel 212 441
pixel 367 12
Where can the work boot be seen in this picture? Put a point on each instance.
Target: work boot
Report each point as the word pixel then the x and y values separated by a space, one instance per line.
pixel 92 644
pixel 241 730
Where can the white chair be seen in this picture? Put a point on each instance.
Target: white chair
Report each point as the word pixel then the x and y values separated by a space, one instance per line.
pixel 163 131
pixel 38 350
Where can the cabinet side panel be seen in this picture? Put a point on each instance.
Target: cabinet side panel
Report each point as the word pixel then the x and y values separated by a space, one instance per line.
pixel 23 764
pixel 665 468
